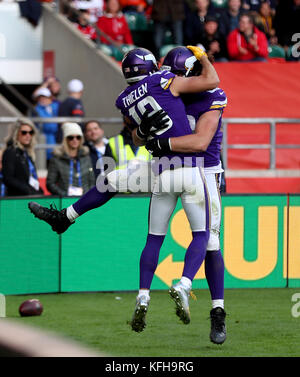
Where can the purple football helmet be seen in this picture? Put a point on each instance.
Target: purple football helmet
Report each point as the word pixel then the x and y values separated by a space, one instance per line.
pixel 137 64
pixel 181 61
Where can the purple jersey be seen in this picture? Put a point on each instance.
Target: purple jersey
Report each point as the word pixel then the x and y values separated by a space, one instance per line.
pixel 153 94
pixel 198 104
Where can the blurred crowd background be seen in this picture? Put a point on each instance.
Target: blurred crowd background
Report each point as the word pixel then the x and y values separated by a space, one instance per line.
pixel 229 30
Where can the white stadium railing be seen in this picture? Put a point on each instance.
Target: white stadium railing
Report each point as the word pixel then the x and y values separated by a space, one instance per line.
pixel 271 146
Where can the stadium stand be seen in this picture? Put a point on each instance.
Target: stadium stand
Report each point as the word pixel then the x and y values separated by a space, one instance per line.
pixel 276 52
pixel 136 21
pixel 141 27
pixel 73 55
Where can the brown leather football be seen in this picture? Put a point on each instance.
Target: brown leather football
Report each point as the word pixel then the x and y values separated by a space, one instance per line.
pixel 31 308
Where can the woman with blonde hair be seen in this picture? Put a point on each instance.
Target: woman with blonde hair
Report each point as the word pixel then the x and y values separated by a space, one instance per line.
pixel 70 171
pixel 18 160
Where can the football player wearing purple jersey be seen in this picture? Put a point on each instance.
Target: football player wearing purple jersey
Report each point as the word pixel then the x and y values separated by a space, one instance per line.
pixel 161 91
pixel 204 111
pixel 150 91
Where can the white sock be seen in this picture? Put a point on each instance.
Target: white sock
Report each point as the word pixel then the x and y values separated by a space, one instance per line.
pixel 72 214
pixel 186 282
pixel 218 303
pixel 144 292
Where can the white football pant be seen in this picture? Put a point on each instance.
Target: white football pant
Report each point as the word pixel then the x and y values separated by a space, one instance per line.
pixel 188 183
pixel 140 178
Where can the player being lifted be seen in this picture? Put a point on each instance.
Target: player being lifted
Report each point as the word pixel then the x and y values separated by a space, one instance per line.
pixel 158 91
pixel 137 72
pixel 204 111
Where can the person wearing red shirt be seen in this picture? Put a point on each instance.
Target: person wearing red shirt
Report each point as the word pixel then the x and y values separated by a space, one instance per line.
pixel 247 42
pixel 114 24
pixel 84 26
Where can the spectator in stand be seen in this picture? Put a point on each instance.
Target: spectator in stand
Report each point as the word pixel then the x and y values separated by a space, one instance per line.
pixel 84 26
pixel 124 151
pixel 72 106
pixel 18 160
pixel 97 144
pixel 167 14
pixel 213 42
pixel 53 84
pixel 229 19
pixel 194 23
pixel 254 5
pixel 247 43
pixel 94 8
pixel 114 24
pixel 70 171
pixel 46 108
pixel 133 6
pixel 287 22
pixel 264 21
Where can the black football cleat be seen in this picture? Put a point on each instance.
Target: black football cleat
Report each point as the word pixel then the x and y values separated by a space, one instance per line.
pixel 56 219
pixel 218 328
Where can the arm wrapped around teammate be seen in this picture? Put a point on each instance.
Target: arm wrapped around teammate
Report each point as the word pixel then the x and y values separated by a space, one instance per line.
pixel 151 124
pixel 159 147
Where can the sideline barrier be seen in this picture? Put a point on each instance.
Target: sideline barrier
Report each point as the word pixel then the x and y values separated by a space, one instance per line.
pixel 260 240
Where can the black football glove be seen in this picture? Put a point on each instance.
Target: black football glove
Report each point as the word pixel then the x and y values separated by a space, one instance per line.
pixel 150 124
pixel 159 147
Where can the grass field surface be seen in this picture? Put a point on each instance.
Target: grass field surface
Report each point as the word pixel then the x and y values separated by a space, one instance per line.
pixel 259 323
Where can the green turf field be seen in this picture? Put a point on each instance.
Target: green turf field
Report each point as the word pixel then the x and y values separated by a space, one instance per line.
pixel 259 323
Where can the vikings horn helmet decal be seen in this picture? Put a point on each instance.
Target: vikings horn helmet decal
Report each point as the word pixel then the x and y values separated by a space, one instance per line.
pixel 137 64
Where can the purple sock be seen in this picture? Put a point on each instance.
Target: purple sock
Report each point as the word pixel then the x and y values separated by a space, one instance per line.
pixel 92 199
pixel 214 271
pixel 195 254
pixel 149 260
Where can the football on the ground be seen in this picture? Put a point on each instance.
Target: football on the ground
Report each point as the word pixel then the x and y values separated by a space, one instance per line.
pixel 30 308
